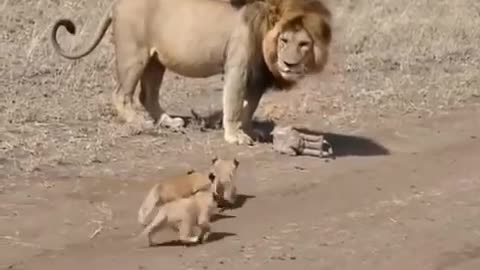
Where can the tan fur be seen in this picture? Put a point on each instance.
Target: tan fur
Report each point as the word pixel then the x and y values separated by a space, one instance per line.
pixel 185 215
pixel 222 172
pixel 257 45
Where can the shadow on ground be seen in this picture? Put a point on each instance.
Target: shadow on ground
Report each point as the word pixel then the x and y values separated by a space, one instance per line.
pixel 217 217
pixel 239 202
pixel 213 237
pixel 453 259
pixel 350 145
pixel 342 144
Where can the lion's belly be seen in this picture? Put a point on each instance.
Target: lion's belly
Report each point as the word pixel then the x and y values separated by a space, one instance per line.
pixel 193 52
pixel 197 65
pixel 193 46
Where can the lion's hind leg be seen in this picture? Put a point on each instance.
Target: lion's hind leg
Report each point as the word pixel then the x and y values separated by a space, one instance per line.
pixel 186 228
pixel 148 205
pixel 131 60
pixel 204 225
pixel 151 82
pixel 156 225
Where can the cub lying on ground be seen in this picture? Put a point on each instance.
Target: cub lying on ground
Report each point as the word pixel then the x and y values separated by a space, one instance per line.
pixel 186 214
pixel 223 172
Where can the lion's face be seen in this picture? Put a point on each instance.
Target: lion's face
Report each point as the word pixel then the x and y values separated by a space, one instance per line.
pixel 297 47
pixel 294 53
pixel 225 172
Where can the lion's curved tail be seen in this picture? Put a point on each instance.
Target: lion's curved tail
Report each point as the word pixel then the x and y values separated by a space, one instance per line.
pixel 70 26
pixel 148 205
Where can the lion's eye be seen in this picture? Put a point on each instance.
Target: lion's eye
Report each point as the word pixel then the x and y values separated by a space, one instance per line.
pixel 283 40
pixel 303 44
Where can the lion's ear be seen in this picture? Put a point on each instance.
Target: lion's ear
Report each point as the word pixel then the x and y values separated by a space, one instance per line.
pixel 320 57
pixel 235 162
pixel 214 159
pixel 211 177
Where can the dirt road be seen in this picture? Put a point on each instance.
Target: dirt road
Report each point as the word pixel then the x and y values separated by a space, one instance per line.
pixel 414 208
pixel 401 89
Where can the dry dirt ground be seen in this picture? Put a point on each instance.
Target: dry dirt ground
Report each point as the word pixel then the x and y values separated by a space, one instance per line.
pixel 399 100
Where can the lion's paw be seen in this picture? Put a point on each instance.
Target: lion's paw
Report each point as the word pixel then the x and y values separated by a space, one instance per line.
pixel 238 137
pixel 190 240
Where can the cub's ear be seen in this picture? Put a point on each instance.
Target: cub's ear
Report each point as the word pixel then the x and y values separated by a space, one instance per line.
pixel 211 176
pixel 214 159
pixel 235 162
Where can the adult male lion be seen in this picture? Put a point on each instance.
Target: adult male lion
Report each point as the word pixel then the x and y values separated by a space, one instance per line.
pixel 257 45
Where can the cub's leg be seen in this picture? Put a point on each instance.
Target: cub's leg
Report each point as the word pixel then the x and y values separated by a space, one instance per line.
pixel 156 225
pixel 131 60
pixel 185 230
pixel 204 224
pixel 151 82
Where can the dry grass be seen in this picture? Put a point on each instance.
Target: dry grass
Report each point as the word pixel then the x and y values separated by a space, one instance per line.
pixel 397 57
pixel 413 55
pixel 390 57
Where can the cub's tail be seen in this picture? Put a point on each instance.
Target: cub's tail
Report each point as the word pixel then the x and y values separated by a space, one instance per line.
pixel 149 204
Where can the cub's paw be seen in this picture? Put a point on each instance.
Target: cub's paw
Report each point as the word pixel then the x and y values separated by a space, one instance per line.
pixel 204 237
pixel 190 241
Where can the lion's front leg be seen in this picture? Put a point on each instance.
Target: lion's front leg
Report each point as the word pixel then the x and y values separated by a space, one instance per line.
pixel 233 95
pixel 249 107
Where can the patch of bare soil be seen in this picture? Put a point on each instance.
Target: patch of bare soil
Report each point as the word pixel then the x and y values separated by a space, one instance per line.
pixel 398 102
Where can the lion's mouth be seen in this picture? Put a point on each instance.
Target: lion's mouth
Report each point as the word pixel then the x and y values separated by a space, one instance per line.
pixel 292 72
pixel 291 75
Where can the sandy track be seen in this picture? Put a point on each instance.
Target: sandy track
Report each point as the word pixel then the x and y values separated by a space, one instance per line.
pixel 415 208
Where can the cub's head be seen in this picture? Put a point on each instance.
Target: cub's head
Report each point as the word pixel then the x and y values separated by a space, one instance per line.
pixel 224 171
pixel 297 43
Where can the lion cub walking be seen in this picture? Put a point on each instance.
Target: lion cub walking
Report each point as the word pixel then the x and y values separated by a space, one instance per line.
pixel 187 201
pixel 223 172
pixel 185 215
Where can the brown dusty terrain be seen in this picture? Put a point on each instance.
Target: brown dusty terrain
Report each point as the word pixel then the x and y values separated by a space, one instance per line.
pixel 399 100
